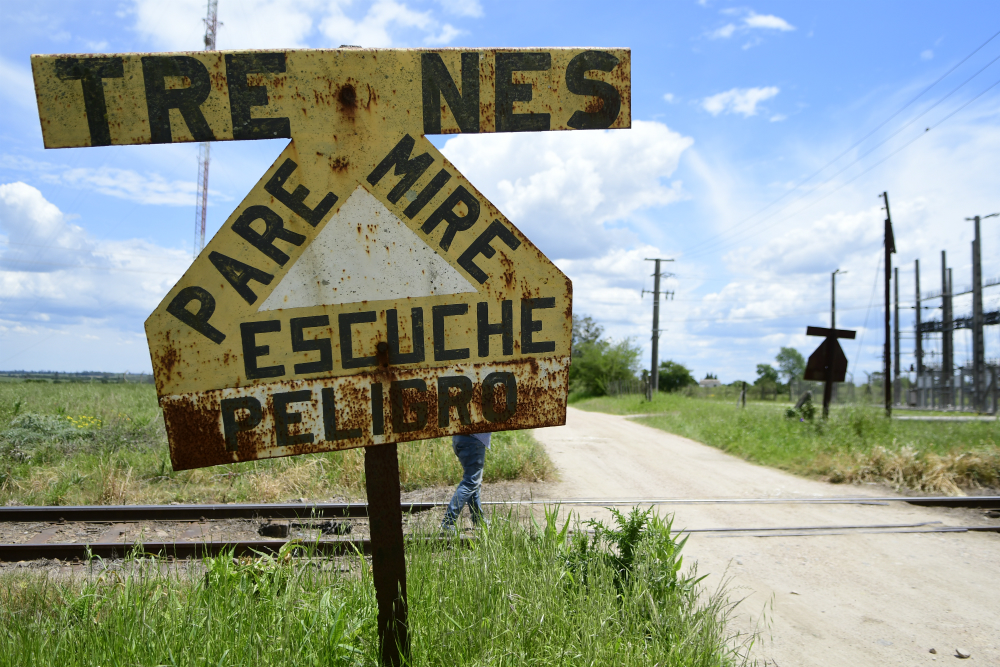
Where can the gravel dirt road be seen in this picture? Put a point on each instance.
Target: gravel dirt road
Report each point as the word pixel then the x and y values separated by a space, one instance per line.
pixel 848 599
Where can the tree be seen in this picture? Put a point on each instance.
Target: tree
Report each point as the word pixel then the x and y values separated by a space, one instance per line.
pixel 674 376
pixel 791 363
pixel 766 375
pixel 585 330
pixel 597 363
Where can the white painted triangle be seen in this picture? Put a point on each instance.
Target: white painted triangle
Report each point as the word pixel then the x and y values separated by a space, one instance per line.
pixel 365 253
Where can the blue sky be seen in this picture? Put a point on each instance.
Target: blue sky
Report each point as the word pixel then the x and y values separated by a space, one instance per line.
pixel 734 106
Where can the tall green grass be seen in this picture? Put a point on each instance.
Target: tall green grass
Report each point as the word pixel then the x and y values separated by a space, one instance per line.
pixel 70 443
pixel 517 595
pixel 856 444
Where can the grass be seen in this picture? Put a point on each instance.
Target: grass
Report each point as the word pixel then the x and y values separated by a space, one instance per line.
pixel 857 444
pixel 519 595
pixel 93 443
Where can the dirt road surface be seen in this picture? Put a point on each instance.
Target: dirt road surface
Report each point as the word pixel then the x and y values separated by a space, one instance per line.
pixel 851 599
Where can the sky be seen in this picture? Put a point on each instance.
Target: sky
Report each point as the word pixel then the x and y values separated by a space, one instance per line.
pixel 763 135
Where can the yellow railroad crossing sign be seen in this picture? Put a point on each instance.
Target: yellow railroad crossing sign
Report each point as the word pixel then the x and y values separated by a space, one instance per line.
pixel 364 292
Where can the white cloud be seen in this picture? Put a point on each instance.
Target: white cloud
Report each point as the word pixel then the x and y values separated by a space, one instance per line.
pixel 778 117
pixel 670 98
pixel 724 32
pixel 750 20
pixel 926 55
pixel 258 24
pixel 148 188
pixel 52 270
pixel 447 34
pixel 376 27
pixel 738 100
pixel 132 186
pixel 567 190
pixel 463 7
pixel 767 22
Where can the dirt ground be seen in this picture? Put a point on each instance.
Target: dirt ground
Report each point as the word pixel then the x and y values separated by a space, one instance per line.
pixel 847 599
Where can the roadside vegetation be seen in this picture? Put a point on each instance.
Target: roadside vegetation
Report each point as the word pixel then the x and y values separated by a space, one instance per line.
pixel 95 443
pixel 856 445
pixel 520 594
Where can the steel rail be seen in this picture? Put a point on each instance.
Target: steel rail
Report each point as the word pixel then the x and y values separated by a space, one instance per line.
pixel 976 502
pixel 181 550
pixel 125 513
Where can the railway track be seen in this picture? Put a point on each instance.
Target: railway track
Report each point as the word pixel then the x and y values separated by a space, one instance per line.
pixel 194 531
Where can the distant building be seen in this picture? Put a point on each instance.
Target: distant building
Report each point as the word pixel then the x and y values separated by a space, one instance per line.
pixel 710 381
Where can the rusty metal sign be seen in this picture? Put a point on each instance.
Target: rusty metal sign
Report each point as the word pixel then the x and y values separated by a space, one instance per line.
pixel 364 292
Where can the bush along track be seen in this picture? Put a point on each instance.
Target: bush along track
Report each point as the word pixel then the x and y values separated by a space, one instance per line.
pixel 79 444
pixel 520 594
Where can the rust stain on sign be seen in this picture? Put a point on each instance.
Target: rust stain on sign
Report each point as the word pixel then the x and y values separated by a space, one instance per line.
pixel 364 292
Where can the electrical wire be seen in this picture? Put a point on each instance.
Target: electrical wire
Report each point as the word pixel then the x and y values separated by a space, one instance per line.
pixel 864 327
pixel 861 140
pixel 852 179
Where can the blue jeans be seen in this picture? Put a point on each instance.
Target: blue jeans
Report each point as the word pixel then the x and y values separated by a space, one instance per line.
pixel 471 454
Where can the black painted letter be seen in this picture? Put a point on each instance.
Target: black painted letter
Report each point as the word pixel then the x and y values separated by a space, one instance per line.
pixel 231 426
pixel 243 96
pixel 437 80
pixel 239 275
pixel 90 72
pixel 438 313
pixel 398 406
pixel 529 326
pixel 459 401
pixel 508 92
pixel 159 100
pixel 321 345
pixel 248 332
pixel 410 170
pixel 481 246
pixel 456 223
pixel 283 418
pixel 296 200
pixel 490 384
pixel 199 320
pixel 274 228
pixel 504 328
pixel 576 82
pixel 345 321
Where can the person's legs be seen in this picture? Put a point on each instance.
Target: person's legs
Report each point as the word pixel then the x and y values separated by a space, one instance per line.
pixel 471 454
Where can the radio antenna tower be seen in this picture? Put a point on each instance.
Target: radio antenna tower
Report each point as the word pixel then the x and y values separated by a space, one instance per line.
pixel 204 150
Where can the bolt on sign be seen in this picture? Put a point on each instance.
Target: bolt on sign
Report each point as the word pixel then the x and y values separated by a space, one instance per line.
pixel 364 292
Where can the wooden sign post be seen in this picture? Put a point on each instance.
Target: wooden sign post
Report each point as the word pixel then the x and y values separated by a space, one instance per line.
pixel 364 293
pixel 828 364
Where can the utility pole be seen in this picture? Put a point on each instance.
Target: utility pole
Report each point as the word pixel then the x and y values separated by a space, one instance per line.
pixel 946 333
pixel 978 346
pixel 654 379
pixel 919 339
pixel 890 247
pixel 895 337
pixel 205 148
pixel 833 297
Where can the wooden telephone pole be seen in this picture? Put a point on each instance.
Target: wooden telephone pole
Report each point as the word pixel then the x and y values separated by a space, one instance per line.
pixel 890 247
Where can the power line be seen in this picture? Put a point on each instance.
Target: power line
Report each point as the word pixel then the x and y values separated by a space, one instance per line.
pixel 856 177
pixel 710 244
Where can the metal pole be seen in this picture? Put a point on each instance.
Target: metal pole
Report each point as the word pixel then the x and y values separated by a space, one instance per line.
pixel 978 356
pixel 919 352
pixel 385 519
pixel 895 338
pixel 654 375
pixel 890 247
pixel 833 300
pixel 947 362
